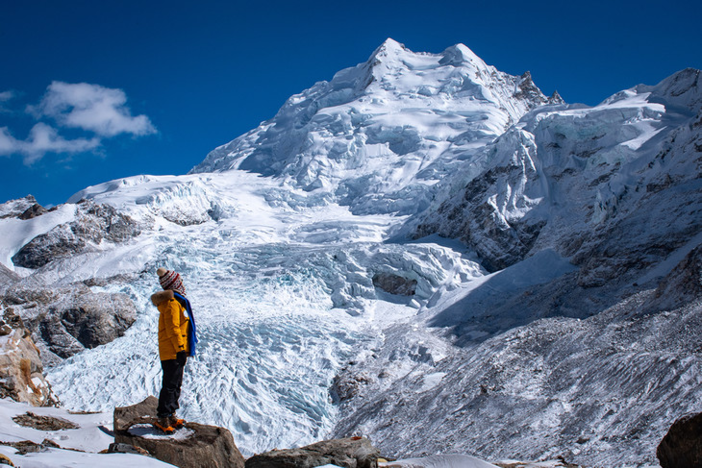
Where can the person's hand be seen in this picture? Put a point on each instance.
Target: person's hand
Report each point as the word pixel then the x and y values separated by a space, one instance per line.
pixel 181 357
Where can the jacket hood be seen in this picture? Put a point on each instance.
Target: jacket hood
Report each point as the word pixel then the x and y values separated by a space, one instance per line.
pixel 161 296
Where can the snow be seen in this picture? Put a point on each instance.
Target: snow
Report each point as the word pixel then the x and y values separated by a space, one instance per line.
pixel 88 439
pixel 279 233
pixel 441 461
pixel 14 233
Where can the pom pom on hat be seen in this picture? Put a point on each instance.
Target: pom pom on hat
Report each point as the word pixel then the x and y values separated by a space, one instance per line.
pixel 170 280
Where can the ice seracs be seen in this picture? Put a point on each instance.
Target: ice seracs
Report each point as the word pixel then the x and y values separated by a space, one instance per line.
pixel 378 136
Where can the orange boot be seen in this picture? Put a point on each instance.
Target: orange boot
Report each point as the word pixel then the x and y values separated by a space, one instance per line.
pixel 176 423
pixel 164 425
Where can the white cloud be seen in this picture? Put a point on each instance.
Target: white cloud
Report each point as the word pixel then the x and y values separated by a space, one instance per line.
pixel 100 112
pixel 8 144
pixel 5 96
pixel 43 139
pixel 93 108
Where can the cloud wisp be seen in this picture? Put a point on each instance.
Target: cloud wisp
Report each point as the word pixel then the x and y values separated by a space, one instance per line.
pixel 92 108
pixel 98 111
pixel 43 139
pixel 5 97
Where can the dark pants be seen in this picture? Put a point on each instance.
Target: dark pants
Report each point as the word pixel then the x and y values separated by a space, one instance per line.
pixel 170 387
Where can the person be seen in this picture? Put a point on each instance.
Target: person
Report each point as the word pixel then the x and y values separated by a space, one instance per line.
pixel 176 341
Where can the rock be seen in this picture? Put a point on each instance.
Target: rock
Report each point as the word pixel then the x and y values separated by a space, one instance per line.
pixel 126 448
pixel 682 445
pixel 5 460
pixel 94 223
pixel 21 368
pixel 202 445
pixel 24 447
pixel 347 385
pixel 95 319
pixel 395 284
pixel 14 208
pixel 352 452
pixel 66 321
pixel 58 243
pixel 44 423
pixel 33 211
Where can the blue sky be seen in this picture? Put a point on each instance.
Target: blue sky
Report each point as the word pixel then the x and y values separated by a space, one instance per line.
pixel 96 90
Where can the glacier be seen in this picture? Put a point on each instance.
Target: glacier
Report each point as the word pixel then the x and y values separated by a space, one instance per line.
pixel 545 241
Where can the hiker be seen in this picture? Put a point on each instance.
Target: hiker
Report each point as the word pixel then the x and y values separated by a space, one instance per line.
pixel 176 341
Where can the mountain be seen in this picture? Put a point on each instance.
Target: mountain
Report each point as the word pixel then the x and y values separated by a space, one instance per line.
pixel 379 135
pixel 423 250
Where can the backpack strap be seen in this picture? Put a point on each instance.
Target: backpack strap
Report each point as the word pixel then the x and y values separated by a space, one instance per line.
pixel 192 331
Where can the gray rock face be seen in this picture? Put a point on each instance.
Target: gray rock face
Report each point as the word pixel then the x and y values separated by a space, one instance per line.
pixel 33 211
pixel 682 445
pixel 395 284
pixel 59 242
pixel 94 224
pixel 477 217
pixel 352 452
pixel 66 321
pixel 204 446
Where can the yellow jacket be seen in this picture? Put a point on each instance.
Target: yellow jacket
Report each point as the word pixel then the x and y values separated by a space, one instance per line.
pixel 172 325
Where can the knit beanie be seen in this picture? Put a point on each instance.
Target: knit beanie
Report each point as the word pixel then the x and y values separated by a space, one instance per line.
pixel 170 280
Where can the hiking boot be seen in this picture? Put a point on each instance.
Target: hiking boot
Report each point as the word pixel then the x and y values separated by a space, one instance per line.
pixel 164 425
pixel 176 423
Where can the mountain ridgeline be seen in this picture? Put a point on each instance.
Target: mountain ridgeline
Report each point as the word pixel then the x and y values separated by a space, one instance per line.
pixel 423 250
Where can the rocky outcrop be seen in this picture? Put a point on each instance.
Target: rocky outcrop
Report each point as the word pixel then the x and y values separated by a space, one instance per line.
pixel 193 446
pixel 21 369
pixel 682 445
pixel 15 208
pixel 44 423
pixel 395 284
pixel 500 236
pixel 66 321
pixel 94 223
pixel 33 211
pixel 352 452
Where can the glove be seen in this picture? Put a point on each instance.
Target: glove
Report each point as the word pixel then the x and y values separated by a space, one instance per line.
pixel 182 357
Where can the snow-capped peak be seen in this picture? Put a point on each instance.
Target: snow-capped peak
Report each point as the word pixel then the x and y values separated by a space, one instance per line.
pixel 388 51
pixel 379 135
pixel 681 89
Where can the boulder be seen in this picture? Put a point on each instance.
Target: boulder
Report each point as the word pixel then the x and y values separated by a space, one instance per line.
pixel 352 452
pixel 193 446
pixel 126 448
pixel 682 445
pixel 395 284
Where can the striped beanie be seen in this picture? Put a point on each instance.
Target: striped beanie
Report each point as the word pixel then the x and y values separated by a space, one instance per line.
pixel 170 280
